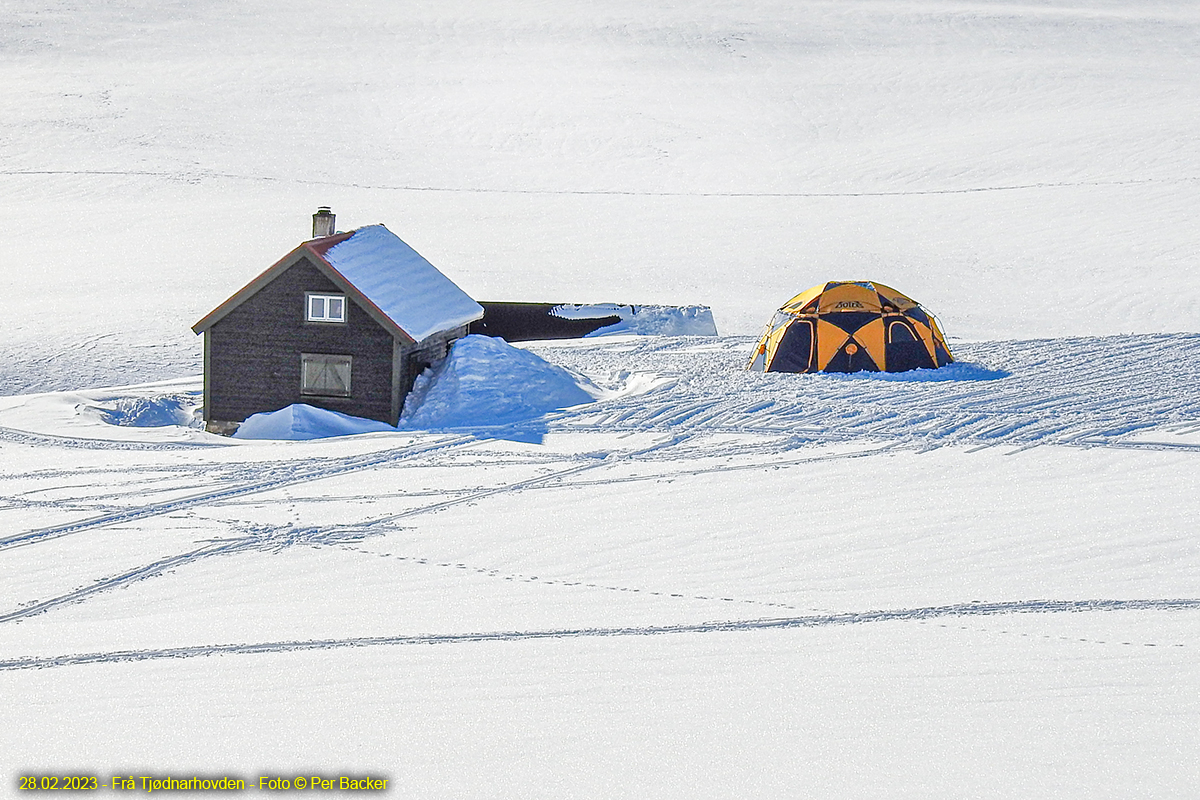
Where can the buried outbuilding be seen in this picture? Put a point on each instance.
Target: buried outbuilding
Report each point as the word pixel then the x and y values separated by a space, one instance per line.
pixel 346 322
pixel 850 326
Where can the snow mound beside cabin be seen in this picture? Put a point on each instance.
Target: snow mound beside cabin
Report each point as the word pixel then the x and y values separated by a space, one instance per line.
pixel 487 381
pixel 301 421
pixel 484 381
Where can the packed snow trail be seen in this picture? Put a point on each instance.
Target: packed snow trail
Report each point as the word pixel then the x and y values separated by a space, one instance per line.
pixel 722 626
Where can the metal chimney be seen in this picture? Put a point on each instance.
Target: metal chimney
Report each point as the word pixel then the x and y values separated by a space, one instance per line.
pixel 323 222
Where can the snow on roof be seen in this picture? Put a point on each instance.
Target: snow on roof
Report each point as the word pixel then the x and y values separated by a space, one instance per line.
pixel 401 283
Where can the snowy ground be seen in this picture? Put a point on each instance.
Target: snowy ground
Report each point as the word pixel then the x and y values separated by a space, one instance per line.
pixel 977 582
pixel 972 581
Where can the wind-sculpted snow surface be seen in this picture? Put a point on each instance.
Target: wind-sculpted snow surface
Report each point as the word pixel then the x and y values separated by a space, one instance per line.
pixel 1086 391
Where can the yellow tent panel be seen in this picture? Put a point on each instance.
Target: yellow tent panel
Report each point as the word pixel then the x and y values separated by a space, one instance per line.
pixel 850 326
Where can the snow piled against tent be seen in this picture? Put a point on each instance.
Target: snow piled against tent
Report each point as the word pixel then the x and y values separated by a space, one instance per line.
pixel 483 382
pixel 486 381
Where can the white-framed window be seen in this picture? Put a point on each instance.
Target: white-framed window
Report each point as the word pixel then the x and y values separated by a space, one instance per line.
pixel 325 375
pixel 324 307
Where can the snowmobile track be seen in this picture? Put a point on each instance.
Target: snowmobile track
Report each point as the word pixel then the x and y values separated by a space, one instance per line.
pixel 721 626
pixel 303 473
pixel 278 537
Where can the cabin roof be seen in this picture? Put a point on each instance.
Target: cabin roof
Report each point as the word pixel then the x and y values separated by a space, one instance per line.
pixel 393 282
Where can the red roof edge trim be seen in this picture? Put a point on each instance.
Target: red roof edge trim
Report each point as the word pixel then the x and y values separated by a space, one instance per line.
pixel 322 245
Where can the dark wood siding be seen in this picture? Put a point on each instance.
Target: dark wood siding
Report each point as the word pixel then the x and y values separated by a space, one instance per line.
pixel 253 359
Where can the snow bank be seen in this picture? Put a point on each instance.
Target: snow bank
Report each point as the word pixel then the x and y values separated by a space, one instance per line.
pixel 486 381
pixel 150 412
pixel 302 421
pixel 644 320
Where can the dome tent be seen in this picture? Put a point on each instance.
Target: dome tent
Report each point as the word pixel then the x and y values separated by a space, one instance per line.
pixel 850 326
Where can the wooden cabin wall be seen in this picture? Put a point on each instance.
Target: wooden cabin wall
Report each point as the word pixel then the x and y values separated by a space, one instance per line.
pixel 254 353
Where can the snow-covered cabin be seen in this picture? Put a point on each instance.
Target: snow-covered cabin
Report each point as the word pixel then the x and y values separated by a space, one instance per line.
pixel 345 321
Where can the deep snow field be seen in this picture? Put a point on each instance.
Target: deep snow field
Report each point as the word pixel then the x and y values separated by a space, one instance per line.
pixel 681 580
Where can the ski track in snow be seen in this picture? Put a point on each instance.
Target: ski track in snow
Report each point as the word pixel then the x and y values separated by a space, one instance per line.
pixel 723 626
pixel 275 538
pixel 262 537
pixel 303 473
pixel 1084 392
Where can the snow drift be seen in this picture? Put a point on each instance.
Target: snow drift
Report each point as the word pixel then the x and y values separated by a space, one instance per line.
pixel 483 382
pixel 486 381
pixel 148 412
pixel 301 421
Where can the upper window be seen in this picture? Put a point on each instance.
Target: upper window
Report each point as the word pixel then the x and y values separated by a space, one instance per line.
pixel 325 307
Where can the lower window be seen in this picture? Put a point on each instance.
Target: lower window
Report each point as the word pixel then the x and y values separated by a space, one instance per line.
pixel 325 375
